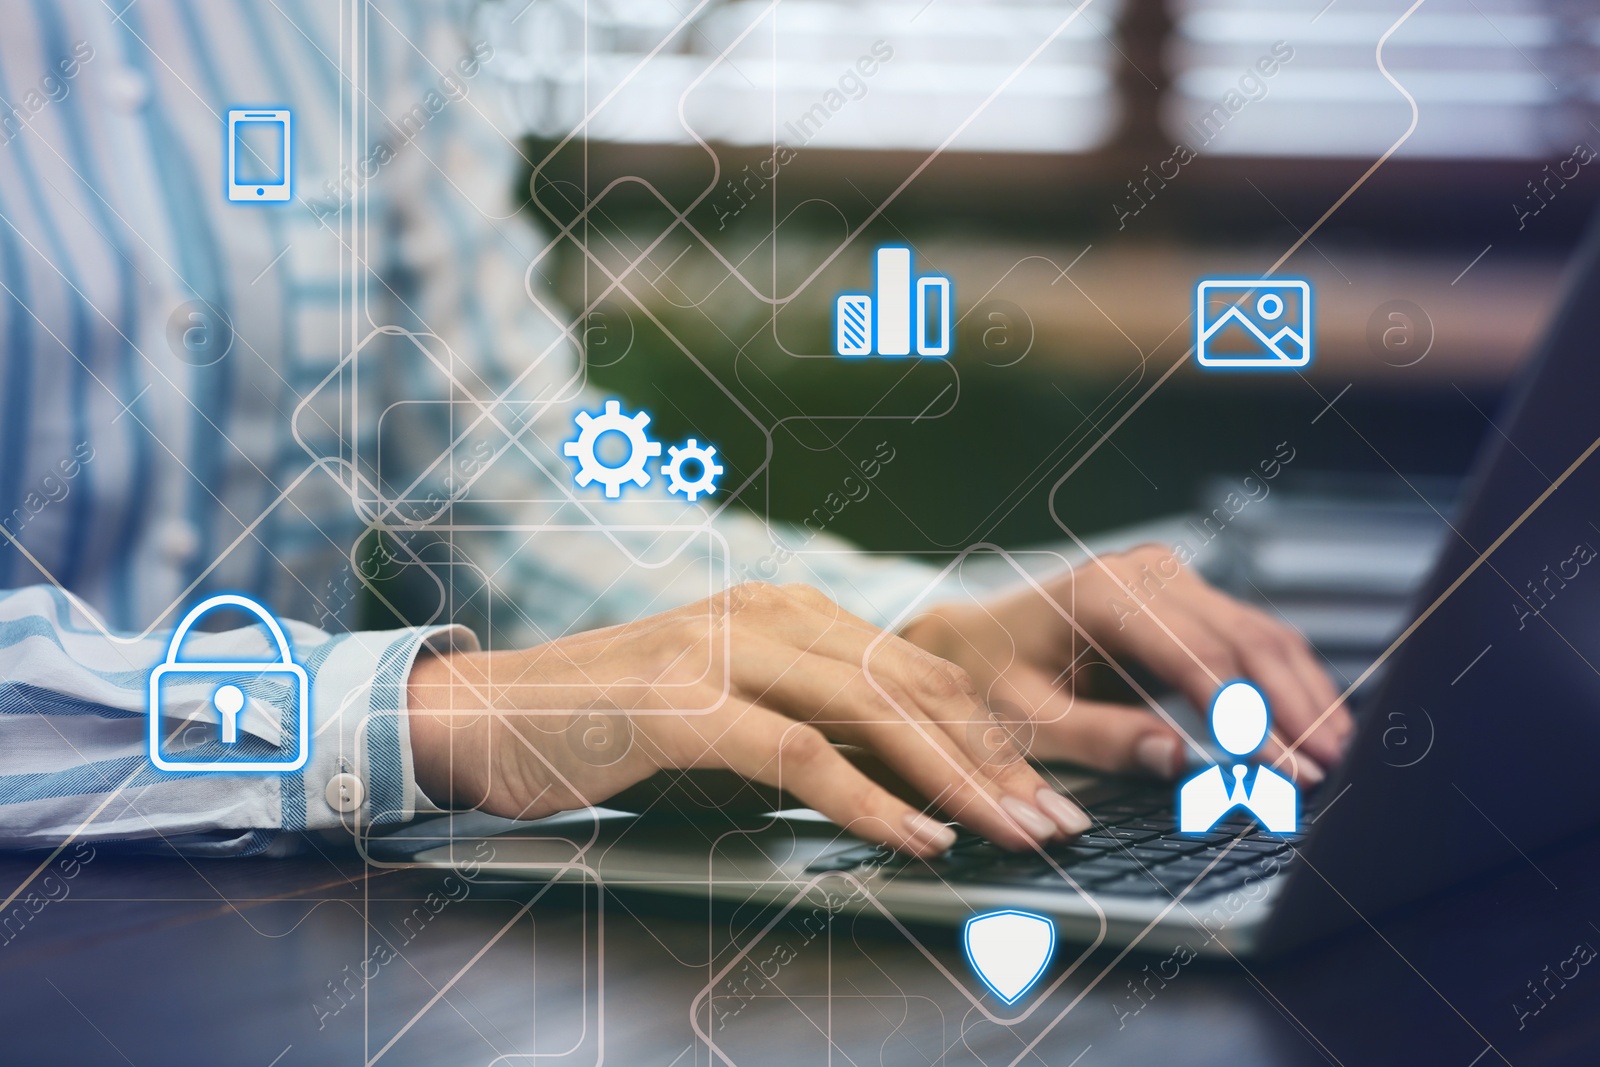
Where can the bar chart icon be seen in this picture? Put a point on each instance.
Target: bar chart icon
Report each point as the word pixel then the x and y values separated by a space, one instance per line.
pixel 902 314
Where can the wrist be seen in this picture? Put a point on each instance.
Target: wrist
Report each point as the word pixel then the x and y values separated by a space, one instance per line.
pixel 444 702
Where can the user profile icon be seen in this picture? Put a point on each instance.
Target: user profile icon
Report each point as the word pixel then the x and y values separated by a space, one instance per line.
pixel 1239 721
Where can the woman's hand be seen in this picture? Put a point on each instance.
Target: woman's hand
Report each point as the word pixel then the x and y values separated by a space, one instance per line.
pixel 1025 652
pixel 759 680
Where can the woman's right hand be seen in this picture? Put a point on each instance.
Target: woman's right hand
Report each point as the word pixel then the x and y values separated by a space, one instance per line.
pixel 759 680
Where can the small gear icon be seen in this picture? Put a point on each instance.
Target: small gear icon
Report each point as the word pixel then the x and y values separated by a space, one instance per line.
pixel 640 448
pixel 691 488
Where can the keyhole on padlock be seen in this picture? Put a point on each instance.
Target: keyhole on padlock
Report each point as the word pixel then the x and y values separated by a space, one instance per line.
pixel 229 700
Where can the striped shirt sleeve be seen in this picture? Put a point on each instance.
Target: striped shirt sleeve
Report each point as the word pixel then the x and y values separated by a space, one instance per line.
pixel 74 759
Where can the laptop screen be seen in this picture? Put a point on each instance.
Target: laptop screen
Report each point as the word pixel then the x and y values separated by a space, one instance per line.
pixel 1501 661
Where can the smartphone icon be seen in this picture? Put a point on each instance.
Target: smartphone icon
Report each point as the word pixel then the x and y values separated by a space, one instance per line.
pixel 260 155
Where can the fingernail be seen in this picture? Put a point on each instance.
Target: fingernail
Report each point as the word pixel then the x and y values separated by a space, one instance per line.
pixel 921 830
pixel 1158 755
pixel 1067 815
pixel 1032 819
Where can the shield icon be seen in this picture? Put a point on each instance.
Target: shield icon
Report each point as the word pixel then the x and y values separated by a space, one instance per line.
pixel 1008 950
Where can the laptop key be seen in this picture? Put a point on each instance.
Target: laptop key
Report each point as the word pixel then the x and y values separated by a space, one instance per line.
pixel 1076 856
pixel 1204 839
pixel 1175 883
pixel 968 842
pixel 1117 834
pixel 1101 871
pixel 1189 868
pixel 1090 840
pixel 952 866
pixel 943 868
pixel 1033 878
pixel 1132 886
pixel 1152 857
pixel 1170 844
pixel 1070 858
pixel 1224 858
pixel 1257 848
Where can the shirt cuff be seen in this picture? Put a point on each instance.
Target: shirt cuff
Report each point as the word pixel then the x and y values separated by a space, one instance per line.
pixel 360 770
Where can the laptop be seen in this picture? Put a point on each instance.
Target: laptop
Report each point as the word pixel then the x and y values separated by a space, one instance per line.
pixel 1478 729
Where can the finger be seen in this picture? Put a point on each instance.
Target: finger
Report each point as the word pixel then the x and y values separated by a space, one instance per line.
pixel 928 688
pixel 1178 645
pixel 820 602
pixel 1108 737
pixel 1275 657
pixel 940 688
pixel 926 685
pixel 1184 634
pixel 1184 643
pixel 1334 715
pixel 1294 709
pixel 1291 706
pixel 1199 639
pixel 777 751
pixel 900 645
pixel 1010 804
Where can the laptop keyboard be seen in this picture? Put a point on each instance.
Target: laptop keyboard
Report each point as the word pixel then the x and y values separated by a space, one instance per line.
pixel 1133 849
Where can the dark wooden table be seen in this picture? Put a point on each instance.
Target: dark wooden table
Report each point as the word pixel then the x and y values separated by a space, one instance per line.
pixel 320 960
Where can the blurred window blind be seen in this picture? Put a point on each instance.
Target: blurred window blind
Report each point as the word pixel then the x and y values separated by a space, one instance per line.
pixel 832 74
pixel 1492 78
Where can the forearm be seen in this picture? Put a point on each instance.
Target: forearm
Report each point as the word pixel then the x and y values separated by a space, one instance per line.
pixel 76 760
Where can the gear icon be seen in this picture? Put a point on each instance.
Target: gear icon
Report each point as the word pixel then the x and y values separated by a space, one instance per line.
pixel 640 448
pixel 692 451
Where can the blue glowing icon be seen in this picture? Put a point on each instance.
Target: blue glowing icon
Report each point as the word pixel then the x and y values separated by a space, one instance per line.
pixel 260 155
pixel 631 428
pixel 692 469
pixel 1009 950
pixel 1252 323
pixel 901 315
pixel 272 695
pixel 1239 721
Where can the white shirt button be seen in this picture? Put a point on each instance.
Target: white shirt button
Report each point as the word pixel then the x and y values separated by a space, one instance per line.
pixel 345 793
pixel 127 89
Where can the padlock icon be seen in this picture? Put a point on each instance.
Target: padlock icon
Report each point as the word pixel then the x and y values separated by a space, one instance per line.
pixel 229 683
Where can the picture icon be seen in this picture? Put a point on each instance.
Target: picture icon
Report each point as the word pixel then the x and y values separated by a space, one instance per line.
pixel 1252 323
pixel 901 314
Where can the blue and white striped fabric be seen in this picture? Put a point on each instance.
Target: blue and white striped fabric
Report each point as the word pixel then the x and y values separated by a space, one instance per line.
pixel 197 395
